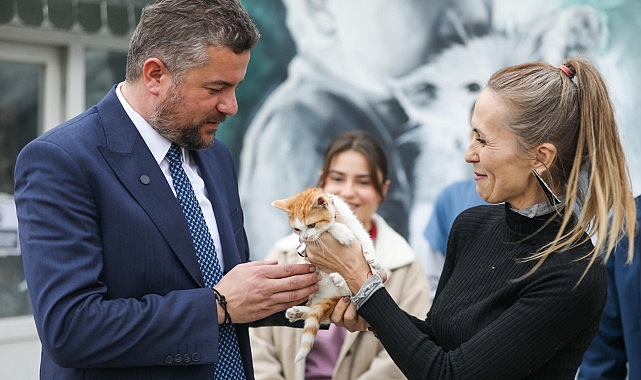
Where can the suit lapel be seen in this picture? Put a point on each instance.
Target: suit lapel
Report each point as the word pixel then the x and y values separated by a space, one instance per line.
pixel 134 165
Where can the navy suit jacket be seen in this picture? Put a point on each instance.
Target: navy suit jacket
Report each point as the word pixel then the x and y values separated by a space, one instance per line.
pixel 116 289
pixel 618 342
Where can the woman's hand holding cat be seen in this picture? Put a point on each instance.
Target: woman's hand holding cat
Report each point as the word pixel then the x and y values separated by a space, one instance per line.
pixel 345 315
pixel 257 289
pixel 347 260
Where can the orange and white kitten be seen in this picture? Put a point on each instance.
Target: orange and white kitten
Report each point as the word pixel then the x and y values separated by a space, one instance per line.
pixel 312 212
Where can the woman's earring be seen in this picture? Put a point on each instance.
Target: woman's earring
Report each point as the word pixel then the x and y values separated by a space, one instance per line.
pixel 552 198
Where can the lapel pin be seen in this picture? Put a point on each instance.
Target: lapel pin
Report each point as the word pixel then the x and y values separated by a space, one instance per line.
pixel 144 179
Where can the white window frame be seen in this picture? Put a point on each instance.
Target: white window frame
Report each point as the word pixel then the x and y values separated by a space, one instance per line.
pixel 49 58
pixel 62 55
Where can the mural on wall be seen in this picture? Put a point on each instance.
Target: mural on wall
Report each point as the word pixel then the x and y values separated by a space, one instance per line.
pixel 407 71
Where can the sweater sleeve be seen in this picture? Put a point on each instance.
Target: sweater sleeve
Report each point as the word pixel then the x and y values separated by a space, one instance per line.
pixel 516 343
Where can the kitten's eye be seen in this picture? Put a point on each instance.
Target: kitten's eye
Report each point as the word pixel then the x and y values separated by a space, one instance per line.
pixel 311 225
pixel 296 230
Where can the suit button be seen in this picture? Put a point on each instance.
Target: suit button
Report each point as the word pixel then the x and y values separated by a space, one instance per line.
pixel 186 358
pixel 195 357
pixel 169 359
pixel 178 358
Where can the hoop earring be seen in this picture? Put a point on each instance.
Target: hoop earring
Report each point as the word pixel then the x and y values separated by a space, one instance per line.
pixel 553 200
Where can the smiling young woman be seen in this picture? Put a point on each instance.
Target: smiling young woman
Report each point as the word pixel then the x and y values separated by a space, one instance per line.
pixel 355 168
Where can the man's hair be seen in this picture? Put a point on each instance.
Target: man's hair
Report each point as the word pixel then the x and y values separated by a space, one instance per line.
pixel 178 32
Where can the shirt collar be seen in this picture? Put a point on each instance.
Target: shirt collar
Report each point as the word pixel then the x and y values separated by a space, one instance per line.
pixel 158 145
pixel 539 209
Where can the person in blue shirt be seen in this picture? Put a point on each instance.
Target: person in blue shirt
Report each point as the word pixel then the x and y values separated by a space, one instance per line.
pixel 450 202
pixel 615 352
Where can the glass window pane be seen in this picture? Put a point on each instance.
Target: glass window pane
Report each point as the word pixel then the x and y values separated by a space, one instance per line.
pixel 118 19
pixel 20 113
pixel 21 87
pixel 89 16
pixel 30 11
pixel 7 11
pixel 103 69
pixel 137 14
pixel 14 297
pixel 61 13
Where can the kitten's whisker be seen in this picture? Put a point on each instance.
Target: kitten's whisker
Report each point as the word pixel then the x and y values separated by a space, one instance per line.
pixel 318 242
pixel 321 244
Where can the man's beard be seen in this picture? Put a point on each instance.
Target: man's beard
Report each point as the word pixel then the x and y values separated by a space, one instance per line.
pixel 165 119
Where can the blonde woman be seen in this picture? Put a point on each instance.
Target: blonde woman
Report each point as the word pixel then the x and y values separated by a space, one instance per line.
pixel 523 287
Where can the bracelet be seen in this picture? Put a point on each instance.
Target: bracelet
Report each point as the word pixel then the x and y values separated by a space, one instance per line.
pixel 223 303
pixel 371 285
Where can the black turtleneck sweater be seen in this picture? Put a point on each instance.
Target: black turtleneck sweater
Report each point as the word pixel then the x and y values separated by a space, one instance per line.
pixel 484 324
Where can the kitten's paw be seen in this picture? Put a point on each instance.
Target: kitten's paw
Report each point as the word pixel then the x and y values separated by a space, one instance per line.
pixel 381 273
pixel 342 233
pixel 376 266
pixel 296 313
pixel 371 259
pixel 337 280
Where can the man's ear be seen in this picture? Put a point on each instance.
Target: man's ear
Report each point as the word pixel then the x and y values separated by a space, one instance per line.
pixel 544 157
pixel 155 73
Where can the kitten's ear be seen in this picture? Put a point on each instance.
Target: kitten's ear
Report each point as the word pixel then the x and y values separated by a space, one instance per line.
pixel 322 201
pixel 282 204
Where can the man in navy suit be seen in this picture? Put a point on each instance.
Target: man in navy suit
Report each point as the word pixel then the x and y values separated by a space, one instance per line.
pixel 615 353
pixel 114 279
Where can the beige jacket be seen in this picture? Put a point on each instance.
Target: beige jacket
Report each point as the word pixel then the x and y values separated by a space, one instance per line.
pixel 362 355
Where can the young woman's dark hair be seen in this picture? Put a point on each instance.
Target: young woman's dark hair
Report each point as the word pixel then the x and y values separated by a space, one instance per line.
pixel 365 144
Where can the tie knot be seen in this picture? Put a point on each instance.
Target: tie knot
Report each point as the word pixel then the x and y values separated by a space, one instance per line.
pixel 174 154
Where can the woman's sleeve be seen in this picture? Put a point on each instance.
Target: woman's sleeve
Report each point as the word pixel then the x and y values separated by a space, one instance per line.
pixel 543 320
pixel 409 287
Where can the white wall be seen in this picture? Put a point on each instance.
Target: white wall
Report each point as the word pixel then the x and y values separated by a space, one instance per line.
pixel 19 349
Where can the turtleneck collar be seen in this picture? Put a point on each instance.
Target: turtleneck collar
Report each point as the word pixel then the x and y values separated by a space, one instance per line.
pixel 543 225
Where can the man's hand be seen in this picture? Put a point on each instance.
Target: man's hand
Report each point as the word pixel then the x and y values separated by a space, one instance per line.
pixel 255 290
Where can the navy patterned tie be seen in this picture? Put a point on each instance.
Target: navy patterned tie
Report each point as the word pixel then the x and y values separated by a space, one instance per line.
pixel 230 364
